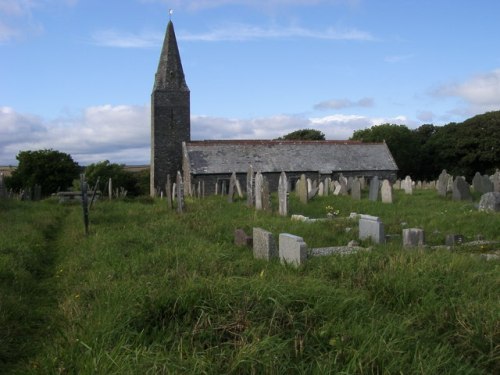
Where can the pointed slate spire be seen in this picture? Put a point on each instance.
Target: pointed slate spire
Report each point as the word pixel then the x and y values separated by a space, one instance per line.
pixel 170 75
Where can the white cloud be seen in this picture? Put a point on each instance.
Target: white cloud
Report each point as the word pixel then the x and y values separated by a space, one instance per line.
pixel 398 58
pixel 113 38
pixel 481 93
pixel 121 133
pixel 344 103
pixel 241 32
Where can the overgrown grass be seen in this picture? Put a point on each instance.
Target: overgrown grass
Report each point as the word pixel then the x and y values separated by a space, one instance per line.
pixel 150 291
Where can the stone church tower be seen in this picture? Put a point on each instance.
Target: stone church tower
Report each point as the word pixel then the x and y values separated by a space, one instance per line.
pixel 170 114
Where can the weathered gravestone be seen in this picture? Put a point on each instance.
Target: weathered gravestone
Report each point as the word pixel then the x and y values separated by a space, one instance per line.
pixel 179 193
pixel 454 239
pixel 232 186
pixel 250 184
pixel 371 227
pixel 490 202
pixel 442 183
pixel 327 184
pixel 264 246
pixel 386 192
pixel 495 178
pixel 302 189
pixel 292 249
pixel 343 186
pixel 266 195
pixel 461 190
pixel 374 189
pixel 259 181
pixel 283 195
pixel 3 190
pixel 413 237
pixel 336 188
pixel 397 185
pixel 356 189
pixel 242 239
pixel 321 189
pixel 408 185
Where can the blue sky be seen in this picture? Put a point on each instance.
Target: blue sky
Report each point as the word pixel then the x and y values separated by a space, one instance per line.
pixel 77 75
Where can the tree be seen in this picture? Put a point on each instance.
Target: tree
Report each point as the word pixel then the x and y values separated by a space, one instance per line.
pixel 402 143
pixel 119 176
pixel 304 134
pixel 52 170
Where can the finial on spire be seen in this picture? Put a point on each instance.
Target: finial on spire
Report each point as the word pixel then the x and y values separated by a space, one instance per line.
pixel 170 12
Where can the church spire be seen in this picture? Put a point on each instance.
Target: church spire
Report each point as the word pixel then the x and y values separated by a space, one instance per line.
pixel 170 75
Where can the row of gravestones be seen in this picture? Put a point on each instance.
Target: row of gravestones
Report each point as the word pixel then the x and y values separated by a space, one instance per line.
pixel 26 194
pixel 460 188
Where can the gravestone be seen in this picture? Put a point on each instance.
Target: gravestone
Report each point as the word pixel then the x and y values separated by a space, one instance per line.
pixel 442 183
pixel 174 191
pixel 328 181
pixel 179 193
pixel 242 239
pixel 495 179
pixel 490 202
pixel 343 186
pixel 232 186
pixel 336 188
pixel 321 189
pixel 449 187
pixel 283 195
pixel 386 192
pixel 3 190
pixel 311 194
pixel 413 237
pixel 302 188
pixel 486 184
pixel 238 188
pixel 461 190
pixel 362 180
pixel 454 239
pixel 408 185
pixel 259 180
pixel 374 189
pixel 349 184
pixel 477 181
pixel 250 183
pixel 292 249
pixel 397 185
pixel 309 185
pixel 356 189
pixel 371 227
pixel 168 192
pixel 266 195
pixel 264 246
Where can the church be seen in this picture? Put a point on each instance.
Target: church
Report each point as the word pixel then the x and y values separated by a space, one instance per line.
pixel 212 162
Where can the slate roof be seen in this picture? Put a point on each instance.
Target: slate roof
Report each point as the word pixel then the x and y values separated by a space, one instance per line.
pixel 220 157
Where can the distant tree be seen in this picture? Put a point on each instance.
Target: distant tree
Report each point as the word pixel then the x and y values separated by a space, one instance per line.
pixel 120 177
pixel 402 143
pixel 50 169
pixel 304 134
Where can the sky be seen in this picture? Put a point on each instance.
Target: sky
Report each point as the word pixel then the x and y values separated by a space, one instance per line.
pixel 76 75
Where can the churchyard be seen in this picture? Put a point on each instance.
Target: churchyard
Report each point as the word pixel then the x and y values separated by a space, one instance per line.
pixel 159 287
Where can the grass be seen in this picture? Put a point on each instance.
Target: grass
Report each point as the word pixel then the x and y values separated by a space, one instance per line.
pixel 153 292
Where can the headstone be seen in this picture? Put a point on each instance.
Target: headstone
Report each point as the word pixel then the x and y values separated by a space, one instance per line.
pixel 397 185
pixel 283 195
pixel 327 183
pixel 413 237
pixel 292 249
pixel 490 202
pixel 232 186
pixel 374 189
pixel 311 194
pixel 349 184
pixel 238 188
pixel 343 186
pixel 309 185
pixel 302 189
pixel 454 239
pixel 461 190
pixel 179 193
pixel 266 195
pixel 419 184
pixel 321 189
pixel 442 183
pixel 168 191
pixel 477 181
pixel 362 180
pixel 336 188
pixel 408 185
pixel 3 190
pixel 264 246
pixel 259 180
pixel 356 189
pixel 486 184
pixel 174 191
pixel 386 192
pixel 371 227
pixel 495 178
pixel 250 187
pixel 449 187
pixel 242 239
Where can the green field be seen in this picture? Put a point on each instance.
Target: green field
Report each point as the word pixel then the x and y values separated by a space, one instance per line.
pixel 153 292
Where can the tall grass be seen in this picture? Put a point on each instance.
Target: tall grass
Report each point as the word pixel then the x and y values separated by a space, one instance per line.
pixel 150 291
